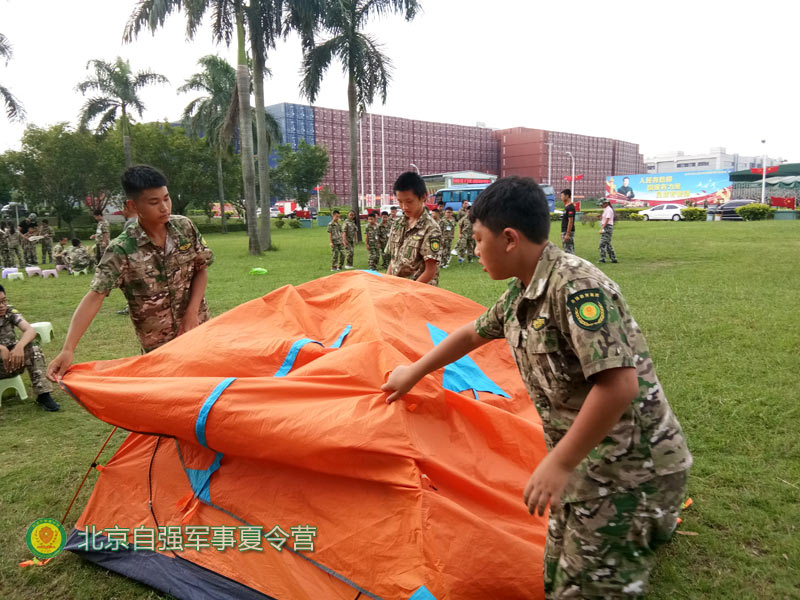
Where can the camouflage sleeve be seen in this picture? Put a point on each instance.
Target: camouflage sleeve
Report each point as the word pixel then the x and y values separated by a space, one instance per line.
pixel 431 244
pixel 15 316
pixel 490 324
pixel 203 256
pixel 108 273
pixel 596 319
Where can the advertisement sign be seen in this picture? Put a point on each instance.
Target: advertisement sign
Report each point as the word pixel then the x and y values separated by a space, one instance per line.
pixel 689 188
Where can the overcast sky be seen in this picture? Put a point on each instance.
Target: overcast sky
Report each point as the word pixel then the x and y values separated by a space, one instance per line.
pixel 679 75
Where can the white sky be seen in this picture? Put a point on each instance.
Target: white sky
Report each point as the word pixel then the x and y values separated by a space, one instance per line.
pixel 679 75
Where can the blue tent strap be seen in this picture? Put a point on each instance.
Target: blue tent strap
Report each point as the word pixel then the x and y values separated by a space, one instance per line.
pixel 200 479
pixel 288 362
pixel 422 594
pixel 202 417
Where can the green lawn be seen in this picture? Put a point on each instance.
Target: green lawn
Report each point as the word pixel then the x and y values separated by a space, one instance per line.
pixel 715 301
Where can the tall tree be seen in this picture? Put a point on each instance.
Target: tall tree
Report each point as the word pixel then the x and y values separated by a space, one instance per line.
pixel 205 115
pixel 300 171
pixel 14 109
pixel 118 90
pixel 366 66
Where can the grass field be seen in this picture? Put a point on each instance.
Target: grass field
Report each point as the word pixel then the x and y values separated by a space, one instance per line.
pixel 717 303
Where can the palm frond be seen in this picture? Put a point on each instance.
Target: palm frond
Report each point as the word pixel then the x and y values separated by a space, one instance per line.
pixel 5 48
pixel 144 78
pixel 149 14
pixel 372 71
pixel 107 121
pixel 14 108
pixel 222 22
pixel 95 106
pixel 315 63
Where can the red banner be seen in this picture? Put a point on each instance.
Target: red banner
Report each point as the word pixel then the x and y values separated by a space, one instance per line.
pixel 569 178
pixel 761 171
pixel 461 181
pixel 783 202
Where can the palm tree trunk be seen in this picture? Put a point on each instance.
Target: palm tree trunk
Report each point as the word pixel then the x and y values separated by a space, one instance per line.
pixel 246 136
pixel 351 105
pixel 221 188
pixel 126 138
pixel 265 237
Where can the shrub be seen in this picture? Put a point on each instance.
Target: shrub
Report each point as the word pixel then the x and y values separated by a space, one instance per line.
pixel 635 217
pixel 294 223
pixel 277 223
pixel 754 212
pixel 590 218
pixel 694 214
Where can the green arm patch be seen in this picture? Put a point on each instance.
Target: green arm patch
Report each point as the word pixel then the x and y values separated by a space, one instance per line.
pixel 588 309
pixel 435 245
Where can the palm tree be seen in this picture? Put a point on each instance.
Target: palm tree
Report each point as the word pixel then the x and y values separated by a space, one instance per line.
pixel 366 67
pixel 118 91
pixel 205 115
pixel 14 109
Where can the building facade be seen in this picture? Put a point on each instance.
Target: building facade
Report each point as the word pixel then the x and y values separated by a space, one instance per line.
pixel 715 158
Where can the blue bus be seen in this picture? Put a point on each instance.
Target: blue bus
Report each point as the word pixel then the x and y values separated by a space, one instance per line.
pixel 454 196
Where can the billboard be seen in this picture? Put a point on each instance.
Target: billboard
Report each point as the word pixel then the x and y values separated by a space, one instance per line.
pixel 686 187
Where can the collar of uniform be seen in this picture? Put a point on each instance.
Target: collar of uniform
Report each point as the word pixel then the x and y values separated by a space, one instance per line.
pixel 547 261
pixel 425 216
pixel 137 231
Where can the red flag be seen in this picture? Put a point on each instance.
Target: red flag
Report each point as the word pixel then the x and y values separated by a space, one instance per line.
pixel 569 178
pixel 761 171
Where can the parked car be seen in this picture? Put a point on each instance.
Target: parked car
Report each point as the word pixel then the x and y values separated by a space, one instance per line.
pixel 663 212
pixel 728 210
pixel 12 209
pixel 274 212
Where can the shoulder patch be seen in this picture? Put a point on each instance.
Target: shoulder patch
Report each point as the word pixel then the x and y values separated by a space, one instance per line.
pixel 435 244
pixel 588 309
pixel 538 323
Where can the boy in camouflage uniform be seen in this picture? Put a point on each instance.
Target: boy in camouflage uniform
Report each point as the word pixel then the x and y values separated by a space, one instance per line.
pixel 466 245
pixel 29 247
pixel 47 242
pixel 78 257
pixel 101 236
pixel 5 255
pixel 14 240
pixel 384 228
pixel 59 252
pixel 448 227
pixel 415 239
pixel 336 239
pixel 160 265
pixel 372 237
pixel 350 238
pixel 18 355
pixel 617 462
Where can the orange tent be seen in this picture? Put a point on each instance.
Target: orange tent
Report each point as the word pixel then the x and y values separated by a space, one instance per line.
pixel 265 463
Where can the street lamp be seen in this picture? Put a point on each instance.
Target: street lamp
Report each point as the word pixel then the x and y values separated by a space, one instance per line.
pixel 549 161
pixel 572 179
pixel 764 173
pixel 416 168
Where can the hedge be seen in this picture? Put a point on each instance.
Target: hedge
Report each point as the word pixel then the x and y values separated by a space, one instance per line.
pixel 755 212
pixel 694 214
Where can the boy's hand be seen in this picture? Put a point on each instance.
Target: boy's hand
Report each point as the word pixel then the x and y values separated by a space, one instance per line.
pixel 15 358
pixel 190 321
pixel 4 354
pixel 546 485
pixel 400 381
pixel 59 365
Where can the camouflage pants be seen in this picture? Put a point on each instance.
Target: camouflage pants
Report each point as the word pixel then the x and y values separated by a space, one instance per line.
pixel 466 248
pixel 337 256
pixel 37 368
pixel 605 547
pixel 385 258
pixel 47 251
pixel 568 246
pixel 605 243
pixel 5 256
pixel 374 258
pixel 349 251
pixel 444 255
pixel 30 254
pixel 12 252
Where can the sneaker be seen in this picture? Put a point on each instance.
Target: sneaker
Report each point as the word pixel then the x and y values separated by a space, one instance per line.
pixel 615 261
pixel 124 311
pixel 445 266
pixel 460 260
pixel 454 252
pixel 46 402
pixel 349 267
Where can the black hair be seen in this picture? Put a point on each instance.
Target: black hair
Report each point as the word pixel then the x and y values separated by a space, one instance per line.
pixel 76 242
pixel 138 178
pixel 567 192
pixel 436 210
pixel 411 182
pixel 385 213
pixel 97 213
pixel 336 212
pixel 11 227
pixel 2 289
pixel 372 213
pixel 450 208
pixel 515 202
pixel 440 203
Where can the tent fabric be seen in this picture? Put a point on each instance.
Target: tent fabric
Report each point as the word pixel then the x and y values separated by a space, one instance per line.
pixel 238 423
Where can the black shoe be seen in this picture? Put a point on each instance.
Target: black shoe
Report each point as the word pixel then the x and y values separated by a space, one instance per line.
pixel 46 402
pixel 602 260
pixel 615 261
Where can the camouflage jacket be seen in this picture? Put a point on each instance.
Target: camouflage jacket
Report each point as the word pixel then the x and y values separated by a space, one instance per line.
pixel 410 248
pixel 373 238
pixel 14 239
pixel 156 281
pixel 351 231
pixel 448 227
pixel 383 232
pixel 569 324
pixel 79 258
pixel 465 227
pixel 58 253
pixel 3 239
pixel 10 320
pixel 102 228
pixel 46 231
pixel 335 231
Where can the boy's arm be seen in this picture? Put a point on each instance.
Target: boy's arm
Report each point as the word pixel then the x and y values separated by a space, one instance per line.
pixel 16 358
pixel 429 272
pixel 84 315
pixel 570 223
pixel 612 392
pixel 197 290
pixel 462 341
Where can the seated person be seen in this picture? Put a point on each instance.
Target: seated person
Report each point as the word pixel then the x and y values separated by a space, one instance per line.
pixel 20 355
pixel 79 258
pixel 60 251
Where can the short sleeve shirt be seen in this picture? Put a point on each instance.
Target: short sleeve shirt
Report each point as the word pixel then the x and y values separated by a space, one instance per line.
pixel 569 324
pixel 335 230
pixel 608 215
pixel 569 212
pixel 373 235
pixel 156 281
pixel 410 247
pixel 10 320
pixel 102 228
pixel 351 231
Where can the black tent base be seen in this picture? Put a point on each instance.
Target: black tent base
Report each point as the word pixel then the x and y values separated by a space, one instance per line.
pixel 175 576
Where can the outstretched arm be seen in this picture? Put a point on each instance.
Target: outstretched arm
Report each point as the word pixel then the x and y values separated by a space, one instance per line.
pixel 84 315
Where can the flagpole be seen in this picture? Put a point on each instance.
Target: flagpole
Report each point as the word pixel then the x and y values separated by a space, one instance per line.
pixel 764 173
